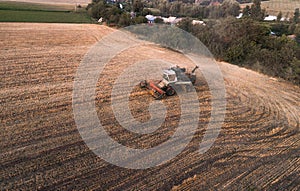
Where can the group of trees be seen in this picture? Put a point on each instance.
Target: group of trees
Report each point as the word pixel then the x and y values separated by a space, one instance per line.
pixel 110 12
pixel 227 8
pixel 181 9
pixel 116 14
pixel 246 42
pixel 255 11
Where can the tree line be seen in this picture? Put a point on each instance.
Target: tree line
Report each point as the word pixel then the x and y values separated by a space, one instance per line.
pixel 132 11
pixel 246 42
pixel 249 42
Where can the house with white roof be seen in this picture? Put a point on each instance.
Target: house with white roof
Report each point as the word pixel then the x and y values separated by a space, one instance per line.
pixel 270 18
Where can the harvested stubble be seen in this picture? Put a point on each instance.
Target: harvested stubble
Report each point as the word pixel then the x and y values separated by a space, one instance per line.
pixel 258 146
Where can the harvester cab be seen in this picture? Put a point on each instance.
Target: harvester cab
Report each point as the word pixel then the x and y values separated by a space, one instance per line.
pixel 169 76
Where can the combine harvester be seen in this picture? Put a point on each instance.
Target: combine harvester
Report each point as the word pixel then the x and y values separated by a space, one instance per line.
pixel 173 78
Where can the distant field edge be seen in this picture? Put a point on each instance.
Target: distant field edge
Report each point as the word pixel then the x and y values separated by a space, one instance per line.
pixel 42 13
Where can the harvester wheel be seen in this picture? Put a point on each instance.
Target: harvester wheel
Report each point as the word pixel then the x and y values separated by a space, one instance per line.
pixel 170 91
pixel 143 84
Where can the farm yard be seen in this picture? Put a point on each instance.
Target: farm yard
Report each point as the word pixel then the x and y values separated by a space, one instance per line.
pixel 41 148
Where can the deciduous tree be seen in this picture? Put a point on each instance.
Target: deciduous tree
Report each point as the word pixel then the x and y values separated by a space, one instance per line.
pixel 256 12
pixel 296 18
pixel 279 16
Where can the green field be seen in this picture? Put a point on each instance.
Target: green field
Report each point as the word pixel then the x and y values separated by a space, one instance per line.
pixel 33 12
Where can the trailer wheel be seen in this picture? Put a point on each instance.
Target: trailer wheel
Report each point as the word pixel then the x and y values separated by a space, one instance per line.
pixel 170 91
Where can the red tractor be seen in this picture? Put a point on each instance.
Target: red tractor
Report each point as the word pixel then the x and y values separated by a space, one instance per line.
pixel 172 77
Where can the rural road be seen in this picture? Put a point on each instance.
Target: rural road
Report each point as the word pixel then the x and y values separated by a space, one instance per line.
pixel 41 148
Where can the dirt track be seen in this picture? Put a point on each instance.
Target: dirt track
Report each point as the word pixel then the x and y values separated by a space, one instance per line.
pixel 258 146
